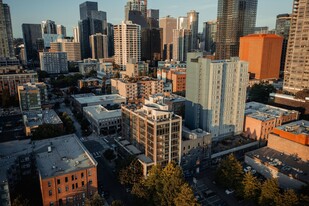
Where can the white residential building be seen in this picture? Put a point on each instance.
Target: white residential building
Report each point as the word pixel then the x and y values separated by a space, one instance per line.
pixel 54 62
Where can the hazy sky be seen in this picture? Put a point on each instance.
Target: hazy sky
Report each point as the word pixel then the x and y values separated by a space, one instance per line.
pixel 66 12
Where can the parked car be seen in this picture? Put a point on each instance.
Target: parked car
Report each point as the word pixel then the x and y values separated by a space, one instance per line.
pixel 229 191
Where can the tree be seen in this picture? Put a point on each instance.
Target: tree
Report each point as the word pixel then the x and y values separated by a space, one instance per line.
pixel 131 174
pixel 42 75
pixel 20 201
pixel 185 197
pixel 46 131
pixel 109 154
pixel 270 193
pixel 289 198
pixel 260 92
pixel 117 203
pixel 302 94
pixel 251 186
pixel 230 167
pixel 96 200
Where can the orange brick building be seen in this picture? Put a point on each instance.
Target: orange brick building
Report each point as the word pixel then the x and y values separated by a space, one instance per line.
pixel 67 171
pixel 261 119
pixel 176 75
pixel 263 52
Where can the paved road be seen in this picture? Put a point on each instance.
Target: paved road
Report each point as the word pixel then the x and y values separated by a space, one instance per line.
pixel 64 108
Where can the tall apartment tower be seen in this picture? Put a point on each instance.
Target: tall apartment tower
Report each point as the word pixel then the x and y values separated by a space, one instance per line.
pixel 192 18
pixel 61 30
pixel 209 36
pixel 154 131
pixel 296 72
pixel 168 24
pixel 182 40
pixel 32 35
pixel 136 5
pixel 283 24
pixel 236 18
pixel 99 46
pixel 65 45
pixel 216 95
pixel 76 34
pixel 182 22
pixel 6 32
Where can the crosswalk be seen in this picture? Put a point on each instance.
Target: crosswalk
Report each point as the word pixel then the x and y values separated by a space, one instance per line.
pixel 97 154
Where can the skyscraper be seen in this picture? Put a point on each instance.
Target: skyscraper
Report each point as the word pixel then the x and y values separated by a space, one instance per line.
pixel 49 32
pixel 127 41
pixel 151 44
pixel 236 18
pixel 209 36
pixel 76 34
pixel 32 34
pixel 61 30
pixel 6 32
pixel 296 72
pixel 182 39
pixel 216 95
pixel 91 22
pixel 182 22
pixel 110 35
pixel 192 24
pixel 168 24
pixel 283 24
pixel 135 5
pixel 99 46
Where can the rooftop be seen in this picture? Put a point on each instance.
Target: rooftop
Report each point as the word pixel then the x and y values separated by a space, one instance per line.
pixel 99 112
pixel 36 118
pixel 135 79
pixel 265 112
pixel 143 158
pixel 297 127
pixel 286 164
pixel 91 98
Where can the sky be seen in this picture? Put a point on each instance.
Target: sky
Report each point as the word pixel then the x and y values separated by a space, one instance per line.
pixel 66 12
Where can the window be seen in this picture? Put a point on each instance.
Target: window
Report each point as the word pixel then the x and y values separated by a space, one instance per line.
pixel 49 184
pixel 72 177
pixel 50 193
pixel 76 185
pixel 82 175
pixel 59 190
pixel 66 179
pixel 90 182
pixel 72 186
pixel 66 188
pixel 89 172
pixel 83 183
pixel 51 203
pixel 58 181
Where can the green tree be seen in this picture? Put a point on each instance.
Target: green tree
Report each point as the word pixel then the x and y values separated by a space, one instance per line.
pixel 185 197
pixel 289 198
pixel 260 92
pixel 230 167
pixel 20 201
pixel 42 75
pixel 117 203
pixel 270 193
pixel 131 174
pixel 46 131
pixel 96 200
pixel 251 187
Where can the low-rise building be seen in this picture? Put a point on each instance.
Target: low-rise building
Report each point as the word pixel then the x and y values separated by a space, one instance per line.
pixel 154 131
pixel 54 62
pixel 90 83
pixel 135 90
pixel 286 155
pixel 102 120
pixel 32 95
pixel 261 119
pixel 33 119
pixel 79 101
pixel 88 65
pixel 137 69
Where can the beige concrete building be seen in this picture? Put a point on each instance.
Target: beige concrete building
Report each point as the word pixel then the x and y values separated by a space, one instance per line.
pixel 71 48
pixel 99 46
pixel 296 72
pixel 156 132
pixel 127 42
pixel 168 24
pixel 135 90
pixel 261 119
pixel 136 69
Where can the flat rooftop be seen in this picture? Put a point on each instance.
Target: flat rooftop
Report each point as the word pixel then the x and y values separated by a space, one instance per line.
pixel 99 112
pixel 67 155
pixel 101 98
pixel 297 127
pixel 286 164
pixel 36 118
pixel 143 158
pixel 265 112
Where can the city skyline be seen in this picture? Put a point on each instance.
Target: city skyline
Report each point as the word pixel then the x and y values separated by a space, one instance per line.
pixel 266 12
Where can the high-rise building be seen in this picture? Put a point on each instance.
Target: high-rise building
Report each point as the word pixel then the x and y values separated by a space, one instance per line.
pixel 236 18
pixel 49 32
pixel 99 46
pixel 296 72
pixel 76 34
pixel 65 45
pixel 153 13
pixel 54 62
pixel 91 22
pixel 127 41
pixel 32 95
pixel 263 53
pixel 182 22
pixel 6 32
pixel 283 24
pixel 168 24
pixel 181 43
pixel 192 24
pixel 216 95
pixel 151 44
pixel 61 30
pixel 261 30
pixel 31 34
pixel 155 131
pixel 135 5
pixel 209 36
pixel 110 35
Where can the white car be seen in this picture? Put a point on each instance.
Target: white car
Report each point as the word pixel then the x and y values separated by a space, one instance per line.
pixel 229 191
